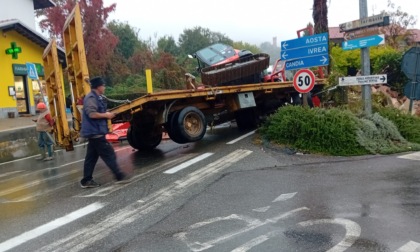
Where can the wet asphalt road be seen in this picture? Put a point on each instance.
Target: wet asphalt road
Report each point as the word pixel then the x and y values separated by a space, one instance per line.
pixel 213 195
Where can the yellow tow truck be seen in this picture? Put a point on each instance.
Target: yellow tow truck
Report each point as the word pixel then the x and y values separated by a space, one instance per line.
pixel 183 114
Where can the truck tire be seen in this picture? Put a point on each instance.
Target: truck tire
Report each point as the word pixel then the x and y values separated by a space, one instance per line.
pixel 171 128
pixel 144 140
pixel 189 125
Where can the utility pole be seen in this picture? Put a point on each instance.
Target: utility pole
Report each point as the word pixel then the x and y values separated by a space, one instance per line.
pixel 366 89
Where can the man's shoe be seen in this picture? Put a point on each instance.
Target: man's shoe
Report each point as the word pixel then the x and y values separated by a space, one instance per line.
pixel 89 184
pixel 42 157
pixel 48 158
pixel 125 180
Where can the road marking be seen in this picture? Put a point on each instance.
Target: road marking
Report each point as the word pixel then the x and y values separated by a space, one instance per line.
pixel 261 209
pixel 34 233
pixel 188 163
pixel 85 237
pixel 242 137
pixel 9 173
pixel 352 232
pixel 410 246
pixel 412 156
pixel 284 197
pixel 157 167
pixel 249 224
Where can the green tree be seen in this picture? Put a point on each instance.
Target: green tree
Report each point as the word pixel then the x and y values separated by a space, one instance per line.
pixel 397 33
pixel 99 41
pixel 192 40
pixel 246 46
pixel 167 44
pixel 128 38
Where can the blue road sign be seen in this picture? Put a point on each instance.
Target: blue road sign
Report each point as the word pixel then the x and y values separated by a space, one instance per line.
pixel 317 39
pixel 364 42
pixel 321 49
pixel 412 92
pixel 31 69
pixel 319 60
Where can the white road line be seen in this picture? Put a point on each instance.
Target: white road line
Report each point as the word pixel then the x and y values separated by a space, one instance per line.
pixel 83 238
pixel 242 137
pixel 248 224
pixel 188 163
pixel 285 196
pixel 9 173
pixel 412 156
pixel 410 246
pixel 157 167
pixel 34 233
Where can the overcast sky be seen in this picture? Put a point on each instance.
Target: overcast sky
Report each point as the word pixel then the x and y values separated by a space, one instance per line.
pixel 248 21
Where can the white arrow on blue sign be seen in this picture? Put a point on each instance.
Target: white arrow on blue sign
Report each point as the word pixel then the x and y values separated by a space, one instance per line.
pixel 304 52
pixel 319 60
pixel 317 39
pixel 364 42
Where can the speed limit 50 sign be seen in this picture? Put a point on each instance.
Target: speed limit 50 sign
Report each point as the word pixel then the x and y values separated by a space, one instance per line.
pixel 304 80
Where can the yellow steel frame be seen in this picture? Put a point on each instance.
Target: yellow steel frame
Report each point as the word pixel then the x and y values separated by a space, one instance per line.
pixel 55 92
pixel 77 68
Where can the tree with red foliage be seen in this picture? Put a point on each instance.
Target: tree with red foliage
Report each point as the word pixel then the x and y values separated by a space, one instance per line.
pixel 99 41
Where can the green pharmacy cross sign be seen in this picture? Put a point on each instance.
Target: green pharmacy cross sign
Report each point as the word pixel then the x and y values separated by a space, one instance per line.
pixel 14 50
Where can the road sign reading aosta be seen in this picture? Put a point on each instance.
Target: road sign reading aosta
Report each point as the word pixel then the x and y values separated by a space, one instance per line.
pixel 317 39
pixel 363 80
pixel 304 80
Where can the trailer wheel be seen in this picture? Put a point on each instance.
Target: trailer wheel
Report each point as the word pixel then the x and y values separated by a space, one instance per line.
pixel 187 125
pixel 172 129
pixel 130 138
pixel 144 140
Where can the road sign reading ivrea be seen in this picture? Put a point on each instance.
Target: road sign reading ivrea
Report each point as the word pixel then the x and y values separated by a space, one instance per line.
pixel 308 51
pixel 363 80
pixel 364 42
pixel 377 20
pixel 304 52
pixel 304 80
pixel 320 60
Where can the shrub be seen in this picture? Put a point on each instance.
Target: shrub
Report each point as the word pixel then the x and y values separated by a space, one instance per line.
pixel 408 125
pixel 329 131
pixel 337 131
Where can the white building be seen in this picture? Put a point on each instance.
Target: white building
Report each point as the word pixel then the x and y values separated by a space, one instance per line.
pixel 23 10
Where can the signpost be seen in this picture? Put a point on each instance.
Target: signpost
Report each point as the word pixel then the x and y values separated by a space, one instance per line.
pixel 364 42
pixel 305 52
pixel 377 20
pixel 361 33
pixel 304 81
pixel 362 80
pixel 320 60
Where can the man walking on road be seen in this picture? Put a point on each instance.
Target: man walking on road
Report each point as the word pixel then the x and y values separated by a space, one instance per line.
pixel 94 128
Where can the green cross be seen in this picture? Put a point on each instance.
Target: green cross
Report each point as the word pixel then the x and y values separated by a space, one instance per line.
pixel 14 50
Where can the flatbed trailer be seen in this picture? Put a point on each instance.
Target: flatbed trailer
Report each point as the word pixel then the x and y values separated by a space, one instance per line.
pixel 183 114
